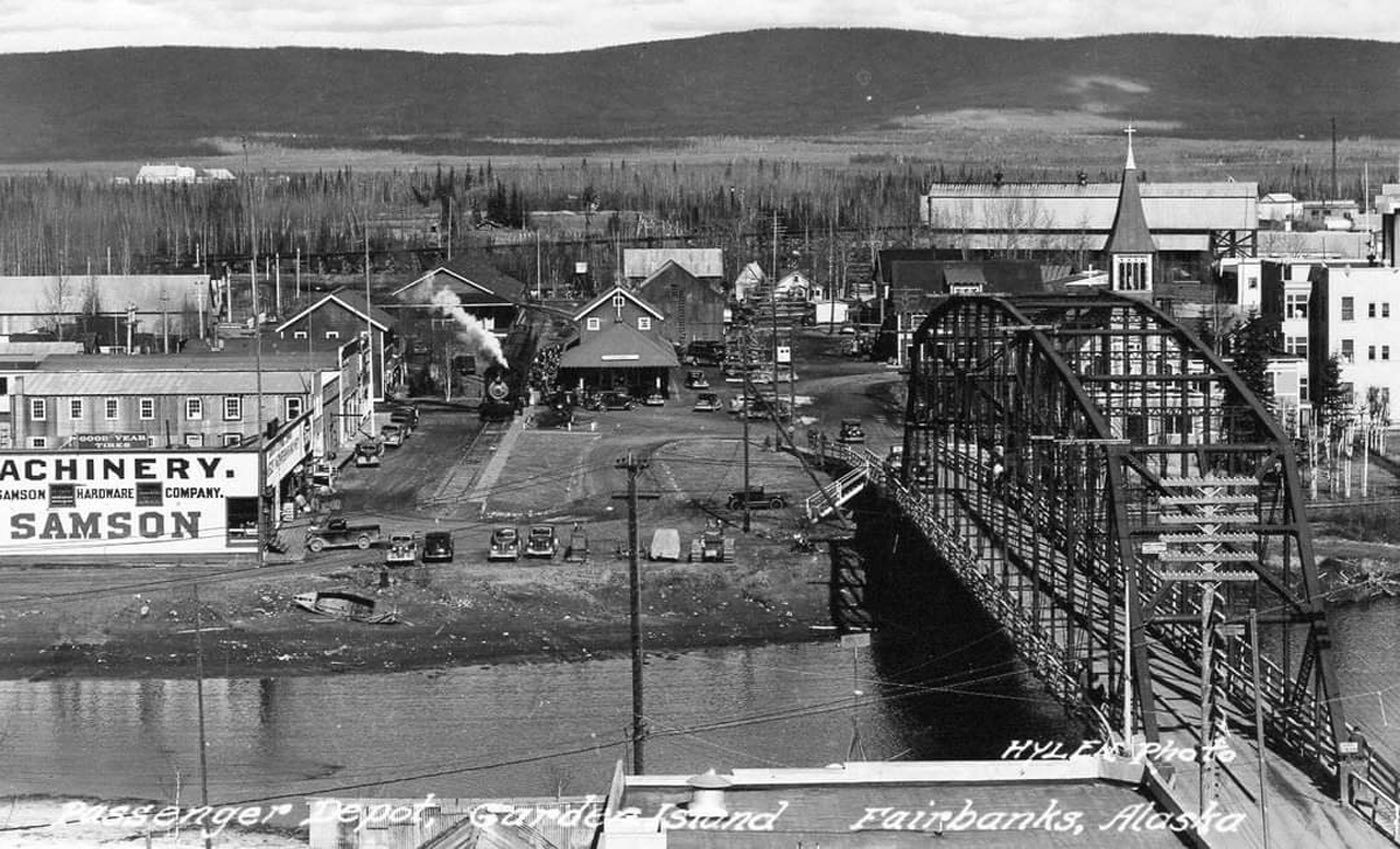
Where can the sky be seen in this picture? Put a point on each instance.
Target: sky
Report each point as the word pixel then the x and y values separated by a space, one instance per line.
pixel 552 26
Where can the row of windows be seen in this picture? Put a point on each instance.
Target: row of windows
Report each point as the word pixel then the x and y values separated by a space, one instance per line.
pixel 1349 309
pixel 1349 351
pixel 191 440
pixel 146 408
pixel 643 323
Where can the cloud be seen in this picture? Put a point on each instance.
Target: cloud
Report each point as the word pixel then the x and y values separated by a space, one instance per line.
pixel 543 26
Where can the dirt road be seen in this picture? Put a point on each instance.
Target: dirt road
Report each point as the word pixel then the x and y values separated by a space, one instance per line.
pixel 141 621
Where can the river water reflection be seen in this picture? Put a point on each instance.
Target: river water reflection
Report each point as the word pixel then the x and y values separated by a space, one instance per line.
pixel 504 730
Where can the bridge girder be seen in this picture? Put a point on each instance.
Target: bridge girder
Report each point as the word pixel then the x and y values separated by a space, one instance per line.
pixel 1111 474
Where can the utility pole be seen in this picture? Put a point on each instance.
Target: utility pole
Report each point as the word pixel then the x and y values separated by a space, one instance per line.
pixel 634 466
pixel 1334 164
pixel 744 416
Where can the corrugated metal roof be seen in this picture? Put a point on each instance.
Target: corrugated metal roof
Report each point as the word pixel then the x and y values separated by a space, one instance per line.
pixel 1190 207
pixel 35 295
pixel 702 262
pixel 1091 242
pixel 1094 190
pixel 165 383
pixel 195 363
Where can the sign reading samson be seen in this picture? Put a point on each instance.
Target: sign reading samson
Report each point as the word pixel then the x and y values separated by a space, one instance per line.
pixel 126 502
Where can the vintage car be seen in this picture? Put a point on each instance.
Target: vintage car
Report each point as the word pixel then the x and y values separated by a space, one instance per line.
pixel 655 399
pixel 757 498
pixel 696 380
pixel 438 547
pixel 851 432
pixel 393 435
pixel 402 550
pixel 707 402
pixel 542 542
pixel 505 544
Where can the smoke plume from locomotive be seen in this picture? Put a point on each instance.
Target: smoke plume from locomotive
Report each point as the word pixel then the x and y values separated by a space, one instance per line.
pixel 471 331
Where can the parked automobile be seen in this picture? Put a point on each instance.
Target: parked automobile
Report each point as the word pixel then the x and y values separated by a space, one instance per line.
pixel 654 399
pixel 616 401
pixel 368 452
pixel 696 380
pixel 757 499
pixel 400 413
pixel 402 550
pixel 505 544
pixel 438 546
pixel 542 542
pixel 707 402
pixel 852 432
pixel 392 435
pixel 338 533
pixel 704 353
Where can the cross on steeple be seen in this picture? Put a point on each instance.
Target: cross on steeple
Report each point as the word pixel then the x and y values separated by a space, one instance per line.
pixel 1129 130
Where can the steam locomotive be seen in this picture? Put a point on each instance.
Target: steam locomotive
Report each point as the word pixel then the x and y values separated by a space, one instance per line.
pixel 498 394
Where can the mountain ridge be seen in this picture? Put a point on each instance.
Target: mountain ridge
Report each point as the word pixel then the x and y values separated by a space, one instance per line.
pixel 135 102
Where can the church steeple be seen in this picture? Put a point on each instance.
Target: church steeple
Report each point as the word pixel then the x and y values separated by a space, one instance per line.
pixel 1130 248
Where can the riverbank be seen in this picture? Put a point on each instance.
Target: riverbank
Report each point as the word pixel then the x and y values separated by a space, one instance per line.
pixel 452 614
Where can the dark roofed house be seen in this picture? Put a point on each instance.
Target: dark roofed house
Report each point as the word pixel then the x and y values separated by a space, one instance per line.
pixel 910 281
pixel 338 317
pixel 620 344
pixel 693 307
pixel 493 297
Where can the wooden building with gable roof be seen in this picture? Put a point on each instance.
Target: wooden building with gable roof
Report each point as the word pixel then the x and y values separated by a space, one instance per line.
pixel 621 345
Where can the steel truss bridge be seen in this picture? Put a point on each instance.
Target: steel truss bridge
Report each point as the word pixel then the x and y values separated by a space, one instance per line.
pixel 1090 470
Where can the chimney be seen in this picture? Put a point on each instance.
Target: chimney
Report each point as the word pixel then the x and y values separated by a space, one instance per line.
pixel 707 795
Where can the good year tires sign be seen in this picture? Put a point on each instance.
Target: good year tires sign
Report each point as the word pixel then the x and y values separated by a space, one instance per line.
pixel 126 502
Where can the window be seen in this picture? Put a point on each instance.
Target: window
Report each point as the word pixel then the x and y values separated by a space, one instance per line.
pixel 293 407
pixel 595 324
pixel 1297 345
pixel 233 408
pixel 1348 308
pixel 38 442
pixel 1295 305
pixel 232 439
pixel 194 440
pixel 298 334
pixel 1371 310
pixel 4 386
pixel 147 408
pixel 194 408
pixel 38 409
pixel 1385 309
pixel 1370 352
pixel 75 408
pixel 62 495
pixel 111 407
pixel 1385 352
pixel 332 334
pixel 1302 387
pixel 1349 350
pixel 1132 273
pixel 148 494
pixel 644 322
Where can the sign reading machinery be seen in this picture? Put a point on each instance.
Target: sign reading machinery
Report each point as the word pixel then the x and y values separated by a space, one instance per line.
pixel 126 502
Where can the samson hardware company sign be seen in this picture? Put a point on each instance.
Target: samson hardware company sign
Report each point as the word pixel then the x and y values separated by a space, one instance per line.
pixel 124 502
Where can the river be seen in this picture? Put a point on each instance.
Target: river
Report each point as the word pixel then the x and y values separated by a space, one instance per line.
pixel 955 691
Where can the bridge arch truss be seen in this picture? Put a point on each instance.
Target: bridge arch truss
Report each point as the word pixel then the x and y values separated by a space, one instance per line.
pixel 1097 471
